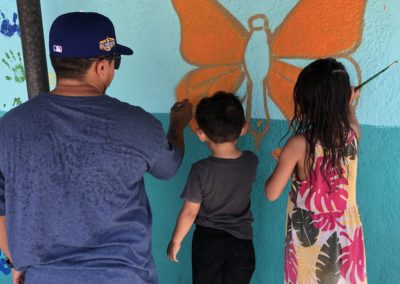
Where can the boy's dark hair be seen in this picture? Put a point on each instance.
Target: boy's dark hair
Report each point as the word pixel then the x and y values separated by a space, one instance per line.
pixel 72 68
pixel 221 117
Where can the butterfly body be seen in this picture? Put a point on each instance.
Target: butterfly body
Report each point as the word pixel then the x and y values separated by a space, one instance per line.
pixel 257 60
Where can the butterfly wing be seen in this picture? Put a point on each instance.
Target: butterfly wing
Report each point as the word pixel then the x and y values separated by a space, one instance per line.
pixel 281 79
pixel 206 81
pixel 309 31
pixel 210 35
pixel 214 40
pixel 323 28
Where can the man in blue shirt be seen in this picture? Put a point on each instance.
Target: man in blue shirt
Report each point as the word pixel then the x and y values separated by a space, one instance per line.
pixel 72 162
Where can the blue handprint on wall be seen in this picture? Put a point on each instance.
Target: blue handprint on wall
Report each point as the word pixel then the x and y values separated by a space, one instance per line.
pixel 7 29
pixel 4 268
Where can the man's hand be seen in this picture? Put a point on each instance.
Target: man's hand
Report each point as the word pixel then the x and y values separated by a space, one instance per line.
pixel 18 277
pixel 172 251
pixel 181 114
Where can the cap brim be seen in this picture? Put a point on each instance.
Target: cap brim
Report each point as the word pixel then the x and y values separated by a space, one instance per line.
pixel 122 50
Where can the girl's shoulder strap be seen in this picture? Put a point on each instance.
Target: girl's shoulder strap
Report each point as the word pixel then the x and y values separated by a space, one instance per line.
pixel 352 135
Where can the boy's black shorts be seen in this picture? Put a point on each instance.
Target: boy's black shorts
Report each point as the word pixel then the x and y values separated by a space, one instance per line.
pixel 219 257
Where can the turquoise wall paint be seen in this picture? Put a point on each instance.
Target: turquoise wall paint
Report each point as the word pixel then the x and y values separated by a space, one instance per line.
pixel 149 78
pixel 377 194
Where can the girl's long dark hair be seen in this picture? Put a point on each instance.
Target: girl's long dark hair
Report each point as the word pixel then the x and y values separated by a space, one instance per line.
pixel 321 97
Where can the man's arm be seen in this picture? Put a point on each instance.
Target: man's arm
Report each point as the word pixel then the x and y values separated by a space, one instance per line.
pixel 181 114
pixel 169 159
pixel 3 228
pixel 17 276
pixel 3 237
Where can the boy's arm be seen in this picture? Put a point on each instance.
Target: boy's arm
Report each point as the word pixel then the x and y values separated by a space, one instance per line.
pixel 352 114
pixel 183 224
pixel 288 158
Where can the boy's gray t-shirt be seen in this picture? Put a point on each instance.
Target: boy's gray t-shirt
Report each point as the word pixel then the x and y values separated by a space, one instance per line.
pixel 223 188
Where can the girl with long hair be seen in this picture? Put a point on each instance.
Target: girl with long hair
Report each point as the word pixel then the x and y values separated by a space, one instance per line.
pixel 324 237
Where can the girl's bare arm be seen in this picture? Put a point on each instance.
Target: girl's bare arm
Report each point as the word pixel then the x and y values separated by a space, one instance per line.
pixel 292 153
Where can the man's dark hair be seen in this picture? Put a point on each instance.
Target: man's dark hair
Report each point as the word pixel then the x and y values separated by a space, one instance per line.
pixel 221 117
pixel 72 68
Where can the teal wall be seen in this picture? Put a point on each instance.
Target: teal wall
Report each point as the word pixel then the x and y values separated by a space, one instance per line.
pixel 149 77
pixel 377 195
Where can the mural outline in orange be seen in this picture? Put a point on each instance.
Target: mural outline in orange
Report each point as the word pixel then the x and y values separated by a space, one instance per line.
pixel 218 44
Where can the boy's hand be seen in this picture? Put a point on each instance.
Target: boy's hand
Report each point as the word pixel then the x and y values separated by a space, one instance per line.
pixel 172 251
pixel 181 114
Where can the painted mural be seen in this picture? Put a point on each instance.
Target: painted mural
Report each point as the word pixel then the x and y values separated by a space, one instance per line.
pixel 11 60
pixel 227 54
pixel 9 28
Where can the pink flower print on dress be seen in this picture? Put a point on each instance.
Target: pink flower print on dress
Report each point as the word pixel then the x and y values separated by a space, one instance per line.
pixel 290 263
pixel 324 192
pixel 353 258
pixel 327 221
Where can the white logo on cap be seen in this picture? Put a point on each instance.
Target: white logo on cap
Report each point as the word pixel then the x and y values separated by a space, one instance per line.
pixel 57 48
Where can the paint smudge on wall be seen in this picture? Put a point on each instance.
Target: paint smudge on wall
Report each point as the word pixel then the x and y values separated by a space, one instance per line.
pixel 227 54
pixel 15 102
pixel 7 28
pixel 15 66
pixel 52 79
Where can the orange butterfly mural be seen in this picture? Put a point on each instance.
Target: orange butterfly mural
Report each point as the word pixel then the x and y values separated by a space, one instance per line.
pixel 225 52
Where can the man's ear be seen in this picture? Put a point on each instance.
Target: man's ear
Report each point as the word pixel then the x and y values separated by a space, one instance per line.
pixel 244 129
pixel 202 136
pixel 100 66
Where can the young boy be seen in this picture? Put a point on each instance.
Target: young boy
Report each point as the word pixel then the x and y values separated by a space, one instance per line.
pixel 217 197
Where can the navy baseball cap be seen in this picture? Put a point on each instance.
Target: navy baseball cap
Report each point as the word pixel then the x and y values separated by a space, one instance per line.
pixel 84 35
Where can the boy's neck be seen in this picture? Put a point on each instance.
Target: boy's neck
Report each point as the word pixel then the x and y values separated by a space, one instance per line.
pixel 226 150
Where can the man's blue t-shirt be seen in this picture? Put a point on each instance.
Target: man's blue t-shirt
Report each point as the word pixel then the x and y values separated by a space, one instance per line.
pixel 71 187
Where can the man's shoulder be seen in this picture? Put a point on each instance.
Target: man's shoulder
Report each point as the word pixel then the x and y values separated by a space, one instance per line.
pixel 133 114
pixel 129 109
pixel 20 112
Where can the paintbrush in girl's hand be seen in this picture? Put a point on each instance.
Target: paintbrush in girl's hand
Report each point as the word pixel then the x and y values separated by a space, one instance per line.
pixel 373 77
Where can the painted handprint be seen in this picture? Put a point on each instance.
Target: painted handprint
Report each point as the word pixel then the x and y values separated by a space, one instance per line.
pixel 7 29
pixel 17 101
pixel 14 64
pixel 4 268
pixel 52 79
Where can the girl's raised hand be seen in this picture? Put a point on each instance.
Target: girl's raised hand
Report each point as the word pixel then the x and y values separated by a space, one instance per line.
pixel 354 95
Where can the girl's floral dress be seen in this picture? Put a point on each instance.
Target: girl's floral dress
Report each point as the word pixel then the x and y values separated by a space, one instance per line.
pixel 324 236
